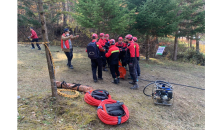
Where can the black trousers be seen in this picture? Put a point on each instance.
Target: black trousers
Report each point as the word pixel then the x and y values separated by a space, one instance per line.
pixel 69 56
pixel 103 58
pixel 132 68
pixel 96 63
pixel 114 70
pixel 122 58
pixel 35 40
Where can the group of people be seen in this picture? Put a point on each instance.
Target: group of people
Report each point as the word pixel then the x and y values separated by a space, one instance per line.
pixel 106 51
pixel 103 52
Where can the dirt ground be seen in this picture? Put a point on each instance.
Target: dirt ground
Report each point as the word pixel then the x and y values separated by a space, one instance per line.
pixel 37 110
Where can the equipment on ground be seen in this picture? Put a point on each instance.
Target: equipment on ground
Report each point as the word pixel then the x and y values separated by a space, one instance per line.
pixel 95 97
pixel 73 86
pixel 112 112
pixel 66 95
pixel 162 93
pixel 122 71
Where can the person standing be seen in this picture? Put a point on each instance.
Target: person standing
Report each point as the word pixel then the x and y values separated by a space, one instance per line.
pixel 132 60
pixel 137 55
pixel 67 46
pixel 34 39
pixel 106 46
pixel 93 50
pixel 102 41
pixel 113 55
pixel 122 46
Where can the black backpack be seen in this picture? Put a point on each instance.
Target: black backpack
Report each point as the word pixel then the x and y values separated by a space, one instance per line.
pixel 115 109
pixel 100 94
pixel 92 50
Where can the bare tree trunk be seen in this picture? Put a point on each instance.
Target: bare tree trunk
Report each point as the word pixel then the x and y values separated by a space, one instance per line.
pixel 175 47
pixel 190 42
pixel 45 39
pixel 65 16
pixel 197 44
pixel 147 47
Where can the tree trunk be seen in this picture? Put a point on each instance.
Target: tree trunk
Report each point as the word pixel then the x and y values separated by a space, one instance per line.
pixel 190 42
pixel 175 47
pixel 65 15
pixel 147 47
pixel 197 44
pixel 45 39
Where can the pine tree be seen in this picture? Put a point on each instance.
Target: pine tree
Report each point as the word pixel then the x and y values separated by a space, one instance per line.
pixel 106 16
pixel 157 18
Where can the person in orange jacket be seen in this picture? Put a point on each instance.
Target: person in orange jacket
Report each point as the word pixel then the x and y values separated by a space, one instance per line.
pixel 122 46
pixel 131 55
pixel 67 46
pixel 113 55
pixel 102 41
pixel 137 55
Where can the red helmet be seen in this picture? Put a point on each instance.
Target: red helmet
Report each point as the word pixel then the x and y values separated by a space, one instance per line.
pixel 94 35
pixel 128 36
pixel 112 41
pixel 101 34
pixel 120 38
pixel 134 39
pixel 106 35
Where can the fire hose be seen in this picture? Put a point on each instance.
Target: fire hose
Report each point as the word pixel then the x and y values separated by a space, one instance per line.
pixel 88 98
pixel 108 119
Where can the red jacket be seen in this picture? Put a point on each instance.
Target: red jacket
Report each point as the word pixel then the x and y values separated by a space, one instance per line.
pixel 119 45
pixel 102 41
pixel 98 45
pixel 132 48
pixel 113 53
pixel 137 49
pixel 65 44
pixel 33 34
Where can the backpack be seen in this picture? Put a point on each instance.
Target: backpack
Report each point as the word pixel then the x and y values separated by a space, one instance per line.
pixel 92 50
pixel 115 109
pixel 100 94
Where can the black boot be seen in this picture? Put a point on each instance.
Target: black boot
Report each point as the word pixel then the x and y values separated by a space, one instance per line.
pixel 115 81
pixel 118 80
pixel 104 69
pixel 135 86
pixel 70 66
pixel 131 82
pixel 100 78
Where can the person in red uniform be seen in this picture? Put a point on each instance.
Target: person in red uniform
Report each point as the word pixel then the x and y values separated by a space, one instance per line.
pixel 97 63
pixel 137 55
pixel 102 41
pixel 122 46
pixel 113 55
pixel 131 48
pixel 106 46
pixel 34 39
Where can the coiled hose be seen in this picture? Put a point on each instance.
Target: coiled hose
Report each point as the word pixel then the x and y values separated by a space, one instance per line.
pixel 92 101
pixel 108 119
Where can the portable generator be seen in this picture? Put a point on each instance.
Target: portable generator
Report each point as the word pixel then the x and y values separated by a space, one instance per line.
pixel 162 93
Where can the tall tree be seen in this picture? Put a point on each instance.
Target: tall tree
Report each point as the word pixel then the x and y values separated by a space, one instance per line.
pixel 45 39
pixel 106 16
pixel 157 18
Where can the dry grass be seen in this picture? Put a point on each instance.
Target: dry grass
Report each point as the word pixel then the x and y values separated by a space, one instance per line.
pixel 39 111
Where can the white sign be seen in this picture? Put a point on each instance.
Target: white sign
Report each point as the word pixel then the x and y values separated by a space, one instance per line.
pixel 160 50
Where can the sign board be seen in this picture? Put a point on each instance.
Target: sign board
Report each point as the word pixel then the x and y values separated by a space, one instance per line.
pixel 160 50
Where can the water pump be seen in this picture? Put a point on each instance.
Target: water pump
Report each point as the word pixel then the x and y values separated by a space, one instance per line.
pixel 162 93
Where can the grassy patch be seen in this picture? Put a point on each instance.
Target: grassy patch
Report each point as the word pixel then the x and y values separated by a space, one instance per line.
pixel 37 110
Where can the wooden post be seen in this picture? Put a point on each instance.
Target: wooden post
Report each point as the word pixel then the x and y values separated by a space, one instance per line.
pixel 45 39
